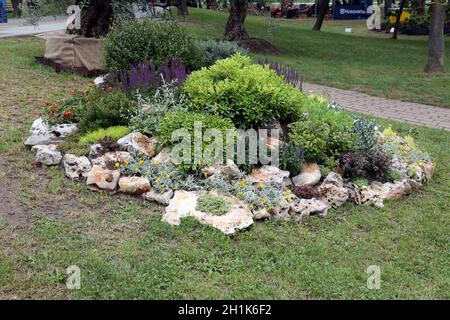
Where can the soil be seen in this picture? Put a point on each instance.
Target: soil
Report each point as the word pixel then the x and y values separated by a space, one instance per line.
pixel 60 68
pixel 257 45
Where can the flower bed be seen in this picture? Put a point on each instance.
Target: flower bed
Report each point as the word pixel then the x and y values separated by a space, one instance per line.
pixel 120 140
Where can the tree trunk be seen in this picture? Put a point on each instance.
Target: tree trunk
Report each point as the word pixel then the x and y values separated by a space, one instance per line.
pixel 436 38
pixel 234 29
pixel 323 9
pixel 421 8
pixel 387 6
pixel 182 8
pixel 16 7
pixel 96 18
pixel 397 19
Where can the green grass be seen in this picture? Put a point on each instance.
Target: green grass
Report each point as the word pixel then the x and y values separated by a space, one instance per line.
pixel 364 61
pixel 125 251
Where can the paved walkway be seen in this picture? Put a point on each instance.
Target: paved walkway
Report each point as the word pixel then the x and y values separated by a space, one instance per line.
pixel 19 27
pixel 420 114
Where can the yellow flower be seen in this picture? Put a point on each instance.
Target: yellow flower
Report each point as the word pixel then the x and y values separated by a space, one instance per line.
pixel 155 162
pixel 117 164
pixel 240 194
pixel 260 186
pixel 141 161
pixel 126 162
pixel 158 180
pixel 242 183
pixel 411 147
pixel 264 200
pixel 205 174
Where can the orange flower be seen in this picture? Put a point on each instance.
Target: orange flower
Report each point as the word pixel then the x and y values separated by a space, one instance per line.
pixel 81 92
pixel 92 84
pixel 46 102
pixel 109 89
pixel 68 114
pixel 53 109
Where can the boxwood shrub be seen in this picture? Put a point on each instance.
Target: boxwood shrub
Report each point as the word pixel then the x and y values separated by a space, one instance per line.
pixel 132 42
pixel 250 95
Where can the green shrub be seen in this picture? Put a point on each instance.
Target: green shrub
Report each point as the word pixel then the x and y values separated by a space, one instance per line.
pixel 113 132
pixel 365 133
pixel 212 204
pixel 213 50
pixel 361 182
pixel 105 110
pixel 324 132
pixel 250 95
pixel 393 175
pixel 131 42
pixel 173 121
pixel 72 145
pixel 291 158
pixel 148 113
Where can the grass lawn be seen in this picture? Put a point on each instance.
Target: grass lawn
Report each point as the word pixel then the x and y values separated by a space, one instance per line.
pixel 364 61
pixel 48 223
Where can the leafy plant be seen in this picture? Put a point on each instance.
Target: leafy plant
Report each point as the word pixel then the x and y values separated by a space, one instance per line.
pixel 361 182
pixel 133 42
pixel 291 158
pixel 373 164
pixel 186 121
pixel 365 133
pixel 393 175
pixel 113 133
pixel 213 50
pixel 72 145
pixel 212 204
pixel 105 109
pixel 249 94
pixel 149 111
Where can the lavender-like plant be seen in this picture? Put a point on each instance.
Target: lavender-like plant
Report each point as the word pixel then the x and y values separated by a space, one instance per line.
pixel 290 75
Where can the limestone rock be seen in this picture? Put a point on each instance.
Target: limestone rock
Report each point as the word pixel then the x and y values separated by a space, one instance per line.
pixel 261 214
pixel 184 204
pixel 134 185
pixel 164 156
pixel 306 207
pixel 428 170
pixel 228 171
pixel 161 198
pixel 333 190
pixel 41 133
pixel 102 179
pixel 310 175
pixel 270 175
pixel 138 143
pixel 47 154
pixel 96 150
pixel 109 159
pixel 76 168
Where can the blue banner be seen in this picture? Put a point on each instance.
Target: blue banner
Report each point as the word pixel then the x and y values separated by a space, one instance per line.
pixel 3 17
pixel 350 11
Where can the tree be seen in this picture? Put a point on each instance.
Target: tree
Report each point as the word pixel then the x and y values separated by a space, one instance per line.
pixel 397 19
pixel 436 38
pixel 323 9
pixel 234 29
pixel 16 4
pixel 182 8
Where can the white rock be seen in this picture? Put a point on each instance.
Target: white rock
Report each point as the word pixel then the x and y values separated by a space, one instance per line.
pixel 134 185
pixel 110 158
pixel 47 154
pixel 228 171
pixel 307 207
pixel 95 150
pixel 164 156
pixel 102 179
pixel 76 168
pixel 269 175
pixel 138 143
pixel 310 175
pixel 184 204
pixel 261 214
pixel 42 133
pixel 333 190
pixel 161 198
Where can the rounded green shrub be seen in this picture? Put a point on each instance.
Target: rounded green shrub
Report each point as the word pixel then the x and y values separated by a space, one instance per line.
pixel 213 50
pixel 132 42
pixel 250 95
pixel 115 133
pixel 104 110
pixel 212 204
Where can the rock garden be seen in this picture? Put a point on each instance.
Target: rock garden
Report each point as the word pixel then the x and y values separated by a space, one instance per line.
pixel 116 135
